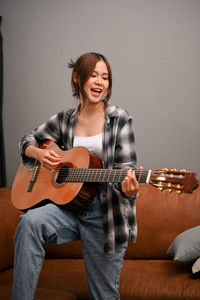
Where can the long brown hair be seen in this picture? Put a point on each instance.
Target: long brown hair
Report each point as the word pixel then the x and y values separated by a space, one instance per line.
pixel 83 68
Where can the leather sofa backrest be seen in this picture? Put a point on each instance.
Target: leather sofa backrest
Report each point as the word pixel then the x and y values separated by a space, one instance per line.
pixel 161 217
pixel 9 217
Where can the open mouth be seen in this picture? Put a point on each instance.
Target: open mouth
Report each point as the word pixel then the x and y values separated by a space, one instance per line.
pixel 96 91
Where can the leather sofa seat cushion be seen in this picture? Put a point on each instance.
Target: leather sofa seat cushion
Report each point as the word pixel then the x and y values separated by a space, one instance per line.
pixel 157 280
pixel 51 294
pixel 140 279
pixel 151 279
pixel 65 274
pixel 41 294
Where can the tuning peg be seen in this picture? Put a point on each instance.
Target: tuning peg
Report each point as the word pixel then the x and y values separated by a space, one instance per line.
pixel 165 169
pixel 160 189
pixel 173 170
pixel 178 192
pixel 169 190
pixel 183 170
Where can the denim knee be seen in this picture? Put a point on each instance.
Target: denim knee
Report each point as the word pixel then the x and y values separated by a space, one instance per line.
pixel 30 228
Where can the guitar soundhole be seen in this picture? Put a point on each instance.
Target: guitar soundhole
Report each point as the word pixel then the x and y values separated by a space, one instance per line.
pixel 62 174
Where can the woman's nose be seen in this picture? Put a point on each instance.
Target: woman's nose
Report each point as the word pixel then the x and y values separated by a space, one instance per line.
pixel 98 80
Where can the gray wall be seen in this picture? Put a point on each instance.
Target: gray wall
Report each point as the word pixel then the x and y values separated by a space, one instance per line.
pixel 153 47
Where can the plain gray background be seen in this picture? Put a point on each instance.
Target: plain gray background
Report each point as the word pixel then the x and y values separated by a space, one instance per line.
pixel 153 47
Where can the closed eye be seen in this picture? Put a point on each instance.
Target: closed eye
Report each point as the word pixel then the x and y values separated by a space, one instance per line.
pixel 104 75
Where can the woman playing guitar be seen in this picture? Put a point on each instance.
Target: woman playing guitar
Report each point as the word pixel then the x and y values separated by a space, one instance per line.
pixel 104 226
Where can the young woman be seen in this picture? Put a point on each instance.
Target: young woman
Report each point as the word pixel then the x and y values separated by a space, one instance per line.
pixel 105 226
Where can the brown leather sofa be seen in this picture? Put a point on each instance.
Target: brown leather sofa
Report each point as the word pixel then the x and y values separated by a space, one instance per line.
pixel 148 271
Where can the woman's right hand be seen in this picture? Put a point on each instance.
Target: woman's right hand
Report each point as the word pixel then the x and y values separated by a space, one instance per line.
pixel 48 158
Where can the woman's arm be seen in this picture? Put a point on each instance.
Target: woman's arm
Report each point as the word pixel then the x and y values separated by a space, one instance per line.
pixel 29 145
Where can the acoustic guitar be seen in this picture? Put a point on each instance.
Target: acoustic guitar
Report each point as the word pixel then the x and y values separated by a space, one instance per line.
pixel 75 181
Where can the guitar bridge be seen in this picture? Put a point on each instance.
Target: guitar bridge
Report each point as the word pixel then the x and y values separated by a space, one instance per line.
pixel 33 177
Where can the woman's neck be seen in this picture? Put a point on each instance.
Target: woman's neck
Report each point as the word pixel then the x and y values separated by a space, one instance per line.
pixel 91 119
pixel 91 109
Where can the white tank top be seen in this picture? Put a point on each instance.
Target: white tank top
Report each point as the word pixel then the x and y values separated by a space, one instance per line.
pixel 92 143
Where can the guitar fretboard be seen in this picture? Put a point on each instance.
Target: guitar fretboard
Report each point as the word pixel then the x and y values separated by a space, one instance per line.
pixel 101 175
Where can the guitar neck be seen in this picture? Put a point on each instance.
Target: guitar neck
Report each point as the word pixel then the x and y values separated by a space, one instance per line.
pixel 104 175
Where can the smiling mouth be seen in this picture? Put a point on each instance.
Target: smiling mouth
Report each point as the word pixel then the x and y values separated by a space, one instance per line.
pixel 96 91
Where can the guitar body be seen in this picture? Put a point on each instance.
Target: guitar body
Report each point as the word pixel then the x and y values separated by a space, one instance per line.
pixel 47 185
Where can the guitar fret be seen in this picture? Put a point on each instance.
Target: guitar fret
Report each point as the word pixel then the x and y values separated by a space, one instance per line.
pixel 105 176
pixel 86 176
pixel 143 176
pixel 99 178
pixel 139 177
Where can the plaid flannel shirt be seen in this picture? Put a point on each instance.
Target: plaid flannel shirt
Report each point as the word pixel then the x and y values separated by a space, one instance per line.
pixel 119 211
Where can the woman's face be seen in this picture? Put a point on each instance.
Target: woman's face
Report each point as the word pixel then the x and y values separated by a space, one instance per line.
pixel 97 84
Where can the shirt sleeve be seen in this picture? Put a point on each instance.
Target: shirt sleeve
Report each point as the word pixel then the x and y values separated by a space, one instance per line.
pixel 125 153
pixel 49 130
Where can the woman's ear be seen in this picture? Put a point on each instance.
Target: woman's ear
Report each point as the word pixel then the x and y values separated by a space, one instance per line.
pixel 75 77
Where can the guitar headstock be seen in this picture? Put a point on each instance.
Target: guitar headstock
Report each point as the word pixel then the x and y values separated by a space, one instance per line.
pixel 174 180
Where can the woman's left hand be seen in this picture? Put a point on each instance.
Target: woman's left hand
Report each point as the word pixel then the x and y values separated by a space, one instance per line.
pixel 130 185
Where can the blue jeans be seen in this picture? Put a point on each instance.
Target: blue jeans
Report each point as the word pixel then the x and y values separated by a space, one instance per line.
pixel 56 225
